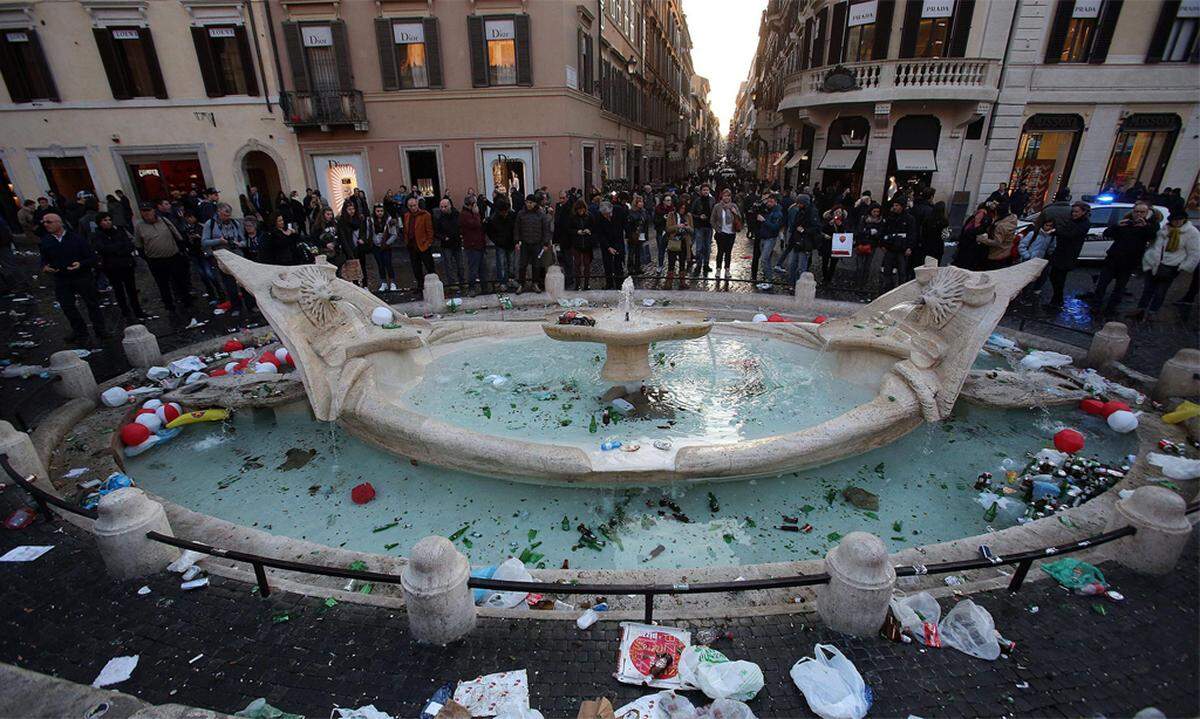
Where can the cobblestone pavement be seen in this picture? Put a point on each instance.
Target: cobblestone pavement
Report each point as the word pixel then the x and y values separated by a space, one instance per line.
pixel 221 646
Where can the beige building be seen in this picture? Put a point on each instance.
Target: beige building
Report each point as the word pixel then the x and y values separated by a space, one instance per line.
pixel 449 95
pixel 145 96
pixel 963 95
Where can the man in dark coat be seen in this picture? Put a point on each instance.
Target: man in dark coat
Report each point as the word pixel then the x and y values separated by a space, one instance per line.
pixel 70 260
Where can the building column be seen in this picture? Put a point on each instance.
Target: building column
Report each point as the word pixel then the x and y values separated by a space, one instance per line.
pixel 879 150
pixel 1095 149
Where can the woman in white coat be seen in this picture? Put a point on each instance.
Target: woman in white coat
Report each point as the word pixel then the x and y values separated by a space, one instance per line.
pixel 1175 250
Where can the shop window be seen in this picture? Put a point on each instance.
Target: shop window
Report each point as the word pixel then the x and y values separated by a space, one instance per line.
pixel 932 35
pixel 1176 33
pixel 860 34
pixel 936 28
pixel 1142 150
pixel 1045 156
pixel 67 176
pixel 1082 31
pixel 24 67
pixel 130 62
pixel 409 53
pixel 500 52
pixel 318 56
pixel 226 64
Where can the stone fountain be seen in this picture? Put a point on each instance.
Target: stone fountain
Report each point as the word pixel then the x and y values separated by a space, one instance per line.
pixel 626 333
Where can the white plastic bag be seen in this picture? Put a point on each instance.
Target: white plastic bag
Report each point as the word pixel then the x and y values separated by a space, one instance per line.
pixel 673 706
pixel 969 629
pixel 515 710
pixel 915 612
pixel 691 659
pixel 512 570
pixel 1175 467
pixel 1038 359
pixel 831 684
pixel 740 680
pixel 727 709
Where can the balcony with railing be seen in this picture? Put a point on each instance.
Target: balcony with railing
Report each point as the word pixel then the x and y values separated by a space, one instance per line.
pixel 967 79
pixel 324 109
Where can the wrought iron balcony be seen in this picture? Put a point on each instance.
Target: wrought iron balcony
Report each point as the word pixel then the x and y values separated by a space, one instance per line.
pixel 953 78
pixel 324 109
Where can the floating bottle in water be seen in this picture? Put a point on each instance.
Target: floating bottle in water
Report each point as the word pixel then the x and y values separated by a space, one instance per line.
pixel 609 445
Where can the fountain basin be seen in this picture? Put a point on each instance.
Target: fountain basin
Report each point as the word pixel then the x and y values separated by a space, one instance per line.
pixel 627 341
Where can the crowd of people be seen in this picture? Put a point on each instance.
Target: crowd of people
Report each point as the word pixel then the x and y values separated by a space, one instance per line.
pixel 504 241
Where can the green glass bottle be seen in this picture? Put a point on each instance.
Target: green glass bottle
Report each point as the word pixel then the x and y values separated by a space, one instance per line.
pixel 592 425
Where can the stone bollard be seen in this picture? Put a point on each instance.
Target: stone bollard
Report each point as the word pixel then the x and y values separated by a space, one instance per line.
pixel 77 382
pixel 806 290
pixel 124 518
pixel 440 606
pixel 930 262
pixel 1163 529
pixel 21 454
pixel 141 347
pixel 861 579
pixel 1108 345
pixel 435 294
pixel 1180 376
pixel 556 284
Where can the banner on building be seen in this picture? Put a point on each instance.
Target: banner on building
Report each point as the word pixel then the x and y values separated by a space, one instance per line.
pixel 937 8
pixel 317 35
pixel 862 14
pixel 409 33
pixel 1086 9
pixel 1189 8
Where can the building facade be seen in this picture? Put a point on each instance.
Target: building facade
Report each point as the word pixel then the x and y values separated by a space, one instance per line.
pixel 147 97
pixel 963 95
pixel 450 95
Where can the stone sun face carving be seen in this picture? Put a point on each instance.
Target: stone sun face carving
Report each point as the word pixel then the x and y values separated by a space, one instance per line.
pixel 311 288
pixel 942 298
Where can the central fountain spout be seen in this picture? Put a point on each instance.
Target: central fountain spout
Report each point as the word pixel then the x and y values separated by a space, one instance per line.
pixel 627 296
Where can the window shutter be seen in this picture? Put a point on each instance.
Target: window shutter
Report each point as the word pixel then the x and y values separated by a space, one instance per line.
pixel 908 33
pixel 524 51
pixel 294 43
pixel 883 28
pixel 837 31
pixel 1104 31
pixel 479 76
pixel 18 88
pixel 108 58
pixel 1058 31
pixel 208 72
pixel 156 78
pixel 341 52
pixel 247 60
pixel 433 52
pixel 36 44
pixel 806 55
pixel 387 53
pixel 818 46
pixel 579 61
pixel 1162 30
pixel 960 30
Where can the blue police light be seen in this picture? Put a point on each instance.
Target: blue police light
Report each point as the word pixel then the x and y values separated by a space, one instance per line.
pixel 1105 199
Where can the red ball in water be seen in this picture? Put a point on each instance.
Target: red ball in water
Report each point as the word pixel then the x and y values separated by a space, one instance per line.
pixel 362 493
pixel 820 319
pixel 776 317
pixel 218 373
pixel 1113 406
pixel 1068 440
pixel 269 357
pixel 134 434
pixel 1092 406
pixel 232 346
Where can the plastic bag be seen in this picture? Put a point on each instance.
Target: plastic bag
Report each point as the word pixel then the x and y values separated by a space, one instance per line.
pixel 1038 359
pixel 1073 574
pixel 515 710
pixel 831 684
pixel 919 615
pixel 691 659
pixel 1175 467
pixel 512 570
pixel 969 629
pixel 727 709
pixel 673 706
pixel 740 680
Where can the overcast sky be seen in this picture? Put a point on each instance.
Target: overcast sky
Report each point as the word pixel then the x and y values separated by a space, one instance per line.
pixel 724 37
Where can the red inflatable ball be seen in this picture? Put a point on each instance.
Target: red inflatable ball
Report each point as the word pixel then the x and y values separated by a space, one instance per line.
pixel 168 412
pixel 1114 406
pixel 232 346
pixel 820 319
pixel 1092 406
pixel 145 410
pixel 218 373
pixel 134 434
pixel 269 357
pixel 363 493
pixel 776 317
pixel 1068 440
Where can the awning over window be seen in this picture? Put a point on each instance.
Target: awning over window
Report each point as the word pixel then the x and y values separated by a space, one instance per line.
pixel 839 160
pixel 781 158
pixel 915 161
pixel 796 159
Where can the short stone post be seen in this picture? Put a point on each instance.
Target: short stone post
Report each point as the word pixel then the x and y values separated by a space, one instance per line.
pixel 141 347
pixel 556 284
pixel 435 294
pixel 1180 376
pixel 77 382
pixel 21 454
pixel 806 290
pixel 439 603
pixel 1108 345
pixel 1160 517
pixel 124 518
pixel 861 579
pixel 930 262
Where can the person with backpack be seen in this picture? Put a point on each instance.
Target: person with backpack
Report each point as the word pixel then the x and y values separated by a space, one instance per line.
pixel 679 233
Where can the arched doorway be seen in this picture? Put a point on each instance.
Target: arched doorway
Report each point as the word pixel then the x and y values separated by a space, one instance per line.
pixel 260 171
pixel 1045 156
pixel 914 152
pixel 845 155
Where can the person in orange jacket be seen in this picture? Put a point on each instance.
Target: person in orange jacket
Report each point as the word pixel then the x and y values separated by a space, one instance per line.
pixel 418 237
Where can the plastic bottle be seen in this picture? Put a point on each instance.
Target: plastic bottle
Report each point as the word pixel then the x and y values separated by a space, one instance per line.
pixel 610 444
pixel 587 619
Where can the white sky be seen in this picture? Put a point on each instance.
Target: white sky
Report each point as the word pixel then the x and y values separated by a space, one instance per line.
pixel 724 37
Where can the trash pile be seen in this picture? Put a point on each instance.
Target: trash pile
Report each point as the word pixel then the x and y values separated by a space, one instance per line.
pixel 571 317
pixel 156 422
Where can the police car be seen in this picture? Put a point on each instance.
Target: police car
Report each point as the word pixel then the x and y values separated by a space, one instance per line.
pixel 1105 212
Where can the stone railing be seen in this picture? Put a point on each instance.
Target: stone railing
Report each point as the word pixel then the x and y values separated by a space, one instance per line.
pixel 911 79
